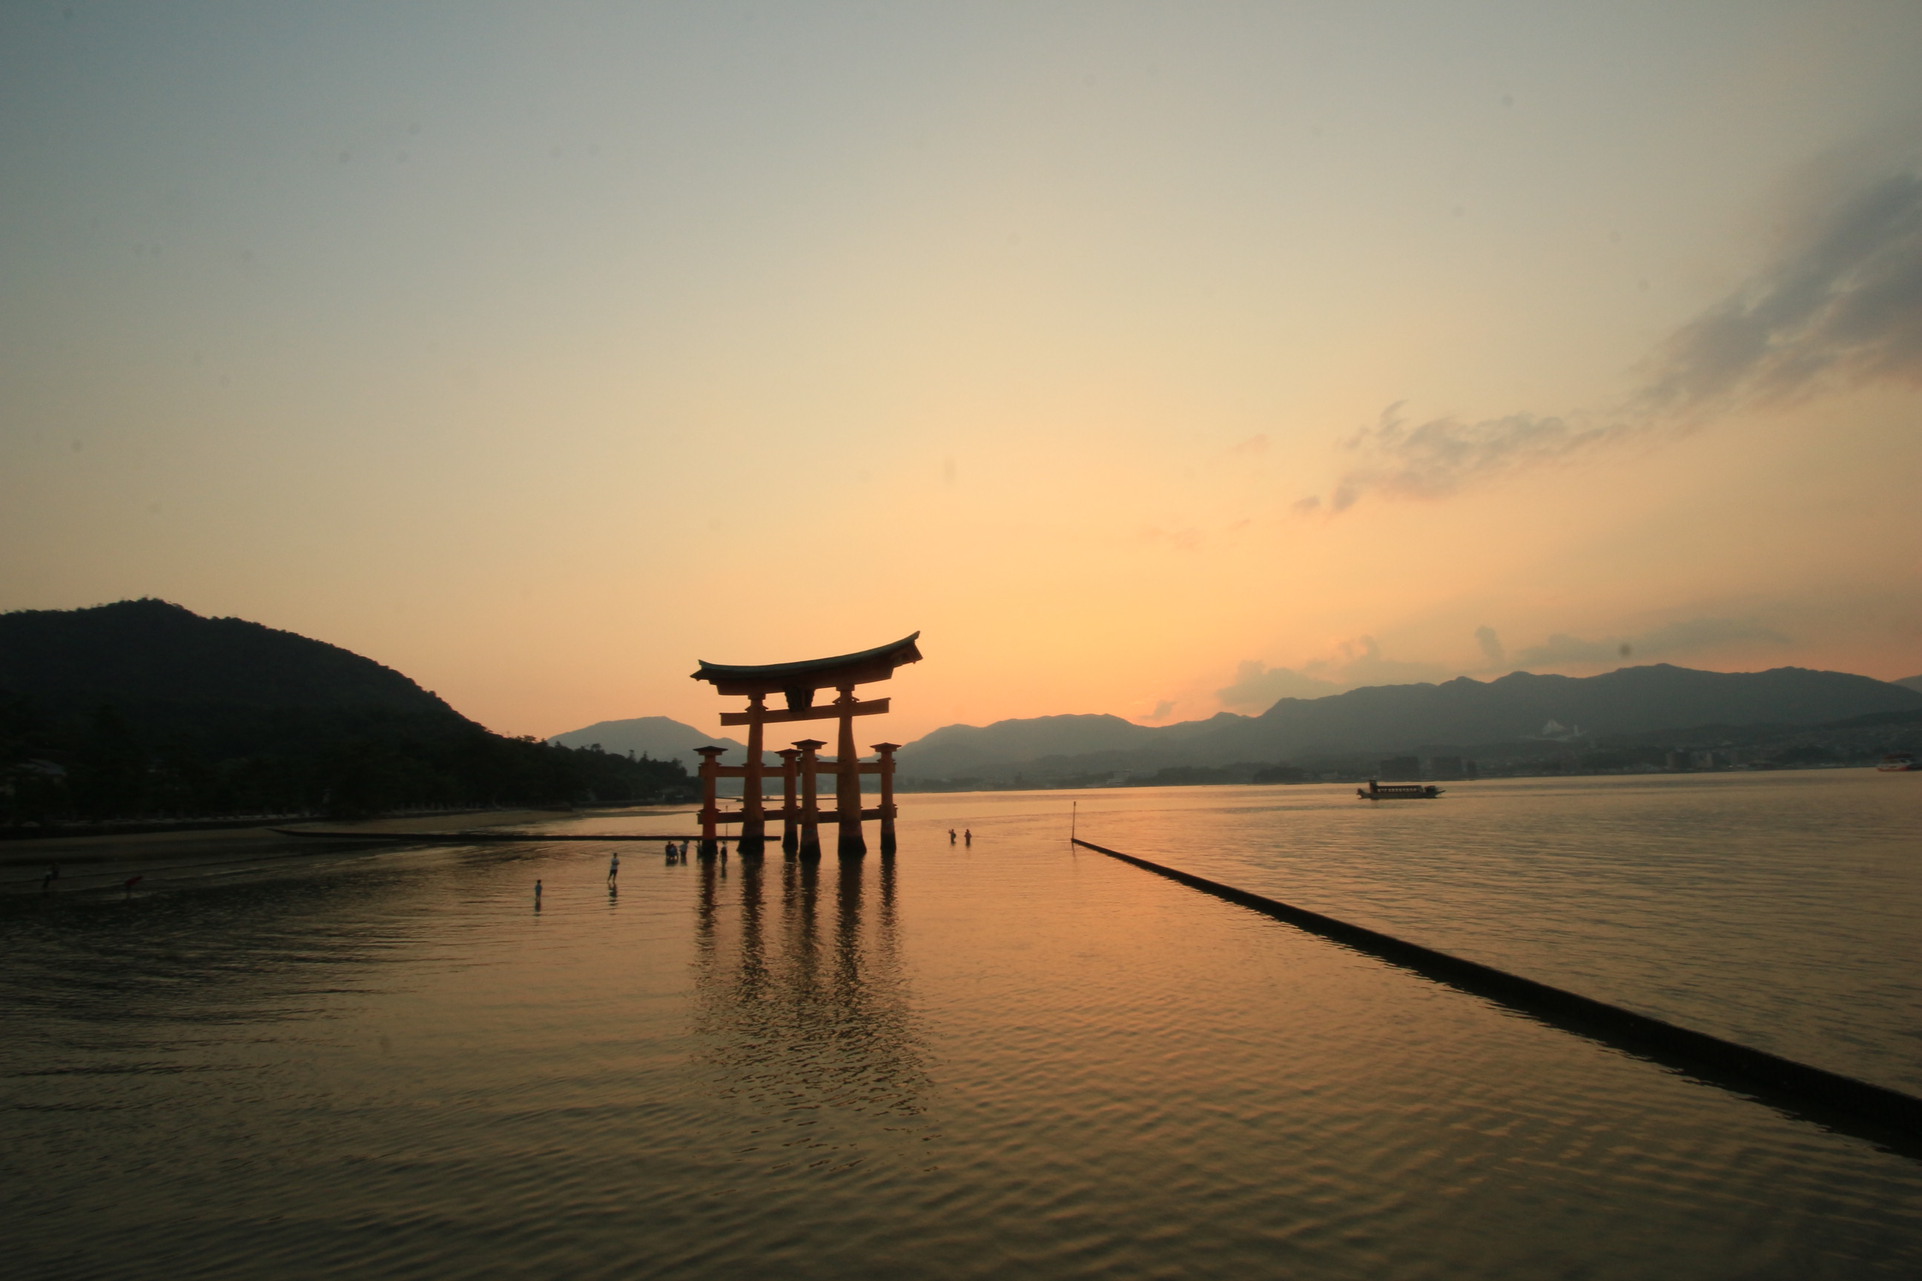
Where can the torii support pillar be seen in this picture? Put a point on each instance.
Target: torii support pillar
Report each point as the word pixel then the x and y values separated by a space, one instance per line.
pixel 810 799
pixel 710 799
pixel 753 813
pixel 886 752
pixel 790 810
pixel 847 786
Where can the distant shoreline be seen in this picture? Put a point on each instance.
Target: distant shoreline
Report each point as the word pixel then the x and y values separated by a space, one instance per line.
pixel 936 787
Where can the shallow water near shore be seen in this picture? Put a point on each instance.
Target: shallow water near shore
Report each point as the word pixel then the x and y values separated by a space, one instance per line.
pixel 1004 1059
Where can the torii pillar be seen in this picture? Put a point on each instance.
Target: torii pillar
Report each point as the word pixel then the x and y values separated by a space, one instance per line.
pixel 885 753
pixel 847 782
pixel 810 798
pixel 710 799
pixel 790 809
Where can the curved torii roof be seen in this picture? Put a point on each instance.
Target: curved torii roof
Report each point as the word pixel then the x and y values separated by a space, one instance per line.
pixel 810 674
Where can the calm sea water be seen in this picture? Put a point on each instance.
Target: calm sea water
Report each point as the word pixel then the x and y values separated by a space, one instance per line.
pixel 1004 1060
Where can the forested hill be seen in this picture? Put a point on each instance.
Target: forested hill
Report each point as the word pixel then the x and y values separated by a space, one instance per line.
pixel 145 709
pixel 1517 708
pixel 152 655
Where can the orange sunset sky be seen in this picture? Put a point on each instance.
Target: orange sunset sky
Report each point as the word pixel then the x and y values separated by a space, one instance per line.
pixel 1152 359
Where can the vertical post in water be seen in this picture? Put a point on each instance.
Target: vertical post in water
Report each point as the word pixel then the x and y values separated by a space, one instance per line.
pixel 847 785
pixel 710 798
pixel 790 811
pixel 810 797
pixel 886 752
pixel 753 815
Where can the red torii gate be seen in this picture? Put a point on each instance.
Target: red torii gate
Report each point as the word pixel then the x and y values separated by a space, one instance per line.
pixel 802 765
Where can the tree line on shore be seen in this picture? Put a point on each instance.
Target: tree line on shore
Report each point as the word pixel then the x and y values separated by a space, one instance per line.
pixel 143 710
pixel 109 765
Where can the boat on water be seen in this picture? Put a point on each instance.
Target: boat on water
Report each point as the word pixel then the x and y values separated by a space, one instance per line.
pixel 1398 791
pixel 1899 763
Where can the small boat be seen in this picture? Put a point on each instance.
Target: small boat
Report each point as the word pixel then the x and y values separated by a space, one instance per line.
pixel 1899 763
pixel 1398 791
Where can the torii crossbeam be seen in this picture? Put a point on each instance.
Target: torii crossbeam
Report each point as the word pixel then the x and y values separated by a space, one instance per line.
pixel 797 683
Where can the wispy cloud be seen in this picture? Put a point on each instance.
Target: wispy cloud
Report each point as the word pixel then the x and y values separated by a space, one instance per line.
pixel 1841 307
pixel 1671 640
pixel 1257 686
pixel 1438 457
pixel 1844 308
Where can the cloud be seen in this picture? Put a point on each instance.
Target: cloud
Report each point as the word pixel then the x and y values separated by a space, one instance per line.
pixel 1841 307
pixel 1438 457
pixel 1259 686
pixel 1492 648
pixel 1689 636
pixel 1562 649
pixel 1362 664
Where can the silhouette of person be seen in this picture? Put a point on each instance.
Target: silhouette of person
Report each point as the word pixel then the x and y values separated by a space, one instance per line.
pixel 968 836
pixel 614 867
pixel 950 836
pixel 670 853
pixel 537 896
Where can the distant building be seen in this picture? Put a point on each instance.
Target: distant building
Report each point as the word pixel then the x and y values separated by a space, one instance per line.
pixel 1677 760
pixel 1445 767
pixel 1400 769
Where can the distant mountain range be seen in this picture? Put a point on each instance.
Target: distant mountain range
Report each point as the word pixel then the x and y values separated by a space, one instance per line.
pixel 1387 719
pixel 657 737
pixel 1910 682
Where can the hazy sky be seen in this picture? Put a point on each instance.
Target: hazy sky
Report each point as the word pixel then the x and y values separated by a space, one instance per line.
pixel 1147 358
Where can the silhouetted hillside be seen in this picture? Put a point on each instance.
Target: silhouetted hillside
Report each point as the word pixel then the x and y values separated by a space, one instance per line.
pixel 146 708
pixel 155 654
pixel 1387 719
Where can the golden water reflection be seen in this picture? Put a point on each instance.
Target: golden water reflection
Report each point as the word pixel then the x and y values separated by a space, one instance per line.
pixel 800 992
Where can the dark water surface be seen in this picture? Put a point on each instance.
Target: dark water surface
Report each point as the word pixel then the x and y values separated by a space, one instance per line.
pixel 1008 1060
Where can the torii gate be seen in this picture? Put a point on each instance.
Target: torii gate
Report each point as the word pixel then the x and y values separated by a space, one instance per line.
pixel 801 815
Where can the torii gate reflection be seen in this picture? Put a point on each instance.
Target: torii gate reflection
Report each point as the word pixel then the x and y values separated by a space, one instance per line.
pixel 802 999
pixel 801 815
